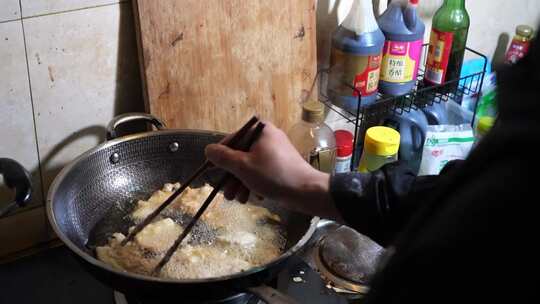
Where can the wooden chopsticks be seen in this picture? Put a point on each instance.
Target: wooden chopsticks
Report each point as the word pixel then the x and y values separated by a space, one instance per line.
pixel 233 143
pixel 239 141
pixel 245 147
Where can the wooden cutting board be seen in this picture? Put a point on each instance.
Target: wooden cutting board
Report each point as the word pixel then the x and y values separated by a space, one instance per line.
pixel 211 64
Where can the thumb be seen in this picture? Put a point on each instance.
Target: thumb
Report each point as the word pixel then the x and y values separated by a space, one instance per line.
pixel 226 158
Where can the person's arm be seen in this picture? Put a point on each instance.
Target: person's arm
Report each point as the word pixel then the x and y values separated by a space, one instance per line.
pixel 372 203
pixel 275 170
pixel 380 203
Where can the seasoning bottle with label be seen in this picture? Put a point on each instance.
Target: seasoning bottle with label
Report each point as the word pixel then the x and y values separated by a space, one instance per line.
pixel 355 58
pixel 344 143
pixel 520 44
pixel 404 32
pixel 313 138
pixel 447 43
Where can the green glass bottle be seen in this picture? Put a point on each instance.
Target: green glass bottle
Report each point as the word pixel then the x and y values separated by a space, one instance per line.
pixel 447 43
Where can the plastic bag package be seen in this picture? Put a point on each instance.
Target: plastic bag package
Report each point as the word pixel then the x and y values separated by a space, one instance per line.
pixel 443 144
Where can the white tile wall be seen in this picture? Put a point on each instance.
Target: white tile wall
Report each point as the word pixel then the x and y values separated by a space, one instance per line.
pixel 41 7
pixel 9 10
pixel 82 61
pixel 489 21
pixel 17 137
pixel 83 70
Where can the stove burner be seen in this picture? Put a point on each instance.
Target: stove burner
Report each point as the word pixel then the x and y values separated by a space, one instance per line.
pixel 242 298
pixel 347 258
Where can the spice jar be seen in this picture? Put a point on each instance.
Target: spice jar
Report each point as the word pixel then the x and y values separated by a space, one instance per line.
pixel 344 144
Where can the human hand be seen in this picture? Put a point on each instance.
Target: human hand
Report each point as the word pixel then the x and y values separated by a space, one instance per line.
pixel 274 169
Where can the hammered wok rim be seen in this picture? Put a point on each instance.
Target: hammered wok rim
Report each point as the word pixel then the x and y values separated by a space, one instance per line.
pixel 97 263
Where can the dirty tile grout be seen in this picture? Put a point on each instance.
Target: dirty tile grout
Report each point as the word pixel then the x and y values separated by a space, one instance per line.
pixel 70 10
pixel 86 67
pixel 10 20
pixel 32 105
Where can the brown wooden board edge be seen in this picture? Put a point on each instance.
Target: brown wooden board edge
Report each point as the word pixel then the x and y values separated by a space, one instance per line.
pixel 140 51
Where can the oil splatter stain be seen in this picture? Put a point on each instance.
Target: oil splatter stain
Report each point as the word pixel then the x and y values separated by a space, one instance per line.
pixel 300 33
pixel 178 38
pixel 306 74
pixel 51 76
pixel 165 92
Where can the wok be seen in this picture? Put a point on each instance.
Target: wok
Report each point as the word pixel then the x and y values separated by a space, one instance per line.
pixel 83 209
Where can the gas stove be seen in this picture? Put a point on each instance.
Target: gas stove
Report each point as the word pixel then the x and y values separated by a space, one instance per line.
pixel 334 267
pixel 241 298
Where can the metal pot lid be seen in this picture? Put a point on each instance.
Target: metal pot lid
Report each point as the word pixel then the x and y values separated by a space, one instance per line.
pixel 349 255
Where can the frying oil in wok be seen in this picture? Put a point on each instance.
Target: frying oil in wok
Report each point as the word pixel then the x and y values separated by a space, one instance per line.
pixel 230 237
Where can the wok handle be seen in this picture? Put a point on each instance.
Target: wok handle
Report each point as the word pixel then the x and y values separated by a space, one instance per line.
pixel 18 179
pixel 129 117
pixel 271 295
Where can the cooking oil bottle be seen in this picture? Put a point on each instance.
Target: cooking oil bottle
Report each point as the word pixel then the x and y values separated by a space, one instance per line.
pixel 314 140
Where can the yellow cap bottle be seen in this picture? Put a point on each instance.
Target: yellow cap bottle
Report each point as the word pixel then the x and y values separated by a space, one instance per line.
pixel 381 146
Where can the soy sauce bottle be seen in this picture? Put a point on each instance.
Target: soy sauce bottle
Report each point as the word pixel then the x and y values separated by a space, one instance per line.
pixel 404 32
pixel 355 58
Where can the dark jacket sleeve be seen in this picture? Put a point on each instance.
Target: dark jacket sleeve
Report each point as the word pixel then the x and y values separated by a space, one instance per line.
pixel 379 203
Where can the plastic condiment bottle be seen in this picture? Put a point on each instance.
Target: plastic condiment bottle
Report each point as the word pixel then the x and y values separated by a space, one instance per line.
pixel 356 58
pixel 404 32
pixel 436 114
pixel 412 127
pixel 485 123
pixel 520 44
pixel 381 146
pixel 313 138
pixel 344 143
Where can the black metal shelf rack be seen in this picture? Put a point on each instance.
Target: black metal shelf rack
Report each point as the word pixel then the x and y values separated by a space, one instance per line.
pixel 421 96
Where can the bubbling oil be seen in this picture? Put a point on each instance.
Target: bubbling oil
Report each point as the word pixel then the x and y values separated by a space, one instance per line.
pixel 229 238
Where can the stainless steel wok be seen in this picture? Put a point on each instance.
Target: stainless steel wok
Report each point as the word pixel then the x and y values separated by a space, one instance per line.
pixel 82 206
